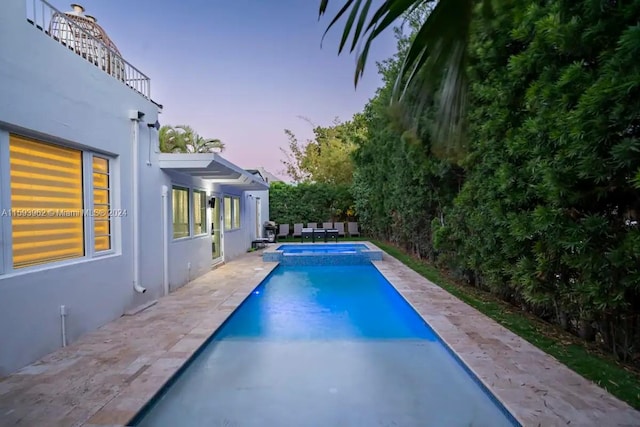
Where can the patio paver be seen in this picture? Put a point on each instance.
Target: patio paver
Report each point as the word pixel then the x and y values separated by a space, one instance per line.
pixel 105 377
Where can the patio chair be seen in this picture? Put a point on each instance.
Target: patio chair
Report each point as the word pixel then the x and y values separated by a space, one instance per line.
pixel 283 230
pixel 340 227
pixel 312 225
pixel 306 234
pixel 297 230
pixel 327 225
pixel 353 229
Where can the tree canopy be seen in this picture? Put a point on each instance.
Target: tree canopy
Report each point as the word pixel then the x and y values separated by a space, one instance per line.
pixel 184 139
pixel 326 158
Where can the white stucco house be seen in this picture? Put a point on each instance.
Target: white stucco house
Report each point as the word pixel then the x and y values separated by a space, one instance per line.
pixel 95 221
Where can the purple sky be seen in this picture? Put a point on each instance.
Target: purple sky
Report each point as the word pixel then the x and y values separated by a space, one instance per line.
pixel 240 71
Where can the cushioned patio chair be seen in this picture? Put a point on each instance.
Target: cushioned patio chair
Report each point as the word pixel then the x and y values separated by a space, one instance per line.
pixel 283 230
pixel 312 225
pixel 297 230
pixel 340 227
pixel 353 229
pixel 327 225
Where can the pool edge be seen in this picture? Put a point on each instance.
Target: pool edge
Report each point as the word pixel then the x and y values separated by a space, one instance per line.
pixel 475 376
pixel 486 388
pixel 159 393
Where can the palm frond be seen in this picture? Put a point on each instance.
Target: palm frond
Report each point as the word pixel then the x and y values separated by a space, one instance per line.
pixel 437 53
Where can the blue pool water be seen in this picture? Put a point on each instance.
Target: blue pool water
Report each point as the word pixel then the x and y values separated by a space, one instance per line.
pixel 340 248
pixel 324 346
pixel 325 303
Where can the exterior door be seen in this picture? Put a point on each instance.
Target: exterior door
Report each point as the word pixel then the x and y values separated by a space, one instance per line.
pixel 216 229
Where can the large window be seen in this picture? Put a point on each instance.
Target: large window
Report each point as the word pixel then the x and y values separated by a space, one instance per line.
pixel 49 202
pixel 231 213
pixel 199 212
pixel 180 197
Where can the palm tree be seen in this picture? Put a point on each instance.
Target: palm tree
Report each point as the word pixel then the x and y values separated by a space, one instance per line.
pixel 197 144
pixel 184 139
pixel 170 141
pixel 438 52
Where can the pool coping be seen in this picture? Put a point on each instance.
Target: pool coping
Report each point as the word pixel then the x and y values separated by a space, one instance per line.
pixel 543 392
pixel 277 255
pixel 532 399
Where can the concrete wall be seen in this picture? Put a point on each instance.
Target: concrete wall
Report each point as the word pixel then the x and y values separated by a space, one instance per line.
pixel 236 242
pixel 189 257
pixel 252 201
pixel 48 92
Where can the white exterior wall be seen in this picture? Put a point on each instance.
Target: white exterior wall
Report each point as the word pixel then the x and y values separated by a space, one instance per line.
pixel 236 242
pixel 48 92
pixel 252 198
pixel 189 257
pixel 56 95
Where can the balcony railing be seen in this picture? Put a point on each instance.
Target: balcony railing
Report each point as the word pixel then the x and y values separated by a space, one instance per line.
pixel 68 33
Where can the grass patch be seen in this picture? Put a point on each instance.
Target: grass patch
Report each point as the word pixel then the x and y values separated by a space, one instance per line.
pixel 587 360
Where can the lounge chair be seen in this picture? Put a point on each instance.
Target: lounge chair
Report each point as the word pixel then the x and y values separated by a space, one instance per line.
pixel 340 227
pixel 353 229
pixel 283 230
pixel 297 230
pixel 312 225
pixel 327 225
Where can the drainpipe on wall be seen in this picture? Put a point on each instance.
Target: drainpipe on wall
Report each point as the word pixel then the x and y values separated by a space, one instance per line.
pixel 63 324
pixel 135 117
pixel 165 238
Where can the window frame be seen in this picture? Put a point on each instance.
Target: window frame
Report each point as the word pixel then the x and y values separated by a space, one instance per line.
pixel 233 211
pixel 6 226
pixel 237 213
pixel 203 212
pixel 180 187
pixel 226 197
pixel 89 198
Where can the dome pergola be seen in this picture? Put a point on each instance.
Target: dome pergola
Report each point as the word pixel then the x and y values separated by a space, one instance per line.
pixel 82 34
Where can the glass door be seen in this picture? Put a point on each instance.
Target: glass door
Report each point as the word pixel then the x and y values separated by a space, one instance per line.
pixel 216 231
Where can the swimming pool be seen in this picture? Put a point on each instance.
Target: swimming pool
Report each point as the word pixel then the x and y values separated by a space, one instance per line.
pixel 324 346
pixel 339 248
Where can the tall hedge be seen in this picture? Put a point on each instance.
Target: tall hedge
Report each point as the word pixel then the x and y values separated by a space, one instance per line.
pixel 543 210
pixel 310 202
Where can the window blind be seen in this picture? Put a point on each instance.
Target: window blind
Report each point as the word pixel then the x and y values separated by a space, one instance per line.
pixel 46 202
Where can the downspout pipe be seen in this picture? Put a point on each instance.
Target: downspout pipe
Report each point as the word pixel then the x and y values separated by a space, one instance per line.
pixel 63 324
pixel 135 121
pixel 165 239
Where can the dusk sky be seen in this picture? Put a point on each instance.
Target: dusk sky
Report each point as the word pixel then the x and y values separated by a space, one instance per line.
pixel 241 71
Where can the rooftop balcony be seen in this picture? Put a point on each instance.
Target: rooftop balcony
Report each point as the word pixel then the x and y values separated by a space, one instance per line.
pixel 81 34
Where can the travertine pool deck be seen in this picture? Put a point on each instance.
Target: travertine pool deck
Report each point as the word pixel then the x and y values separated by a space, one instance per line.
pixel 105 377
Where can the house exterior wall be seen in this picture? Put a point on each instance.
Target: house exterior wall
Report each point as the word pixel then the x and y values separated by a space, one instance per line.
pixel 49 93
pixel 236 242
pixel 252 200
pixel 189 257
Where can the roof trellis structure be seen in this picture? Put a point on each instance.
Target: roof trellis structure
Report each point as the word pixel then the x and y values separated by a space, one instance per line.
pixel 82 34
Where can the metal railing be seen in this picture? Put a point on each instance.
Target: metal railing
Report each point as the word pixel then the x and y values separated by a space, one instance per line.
pixel 68 33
